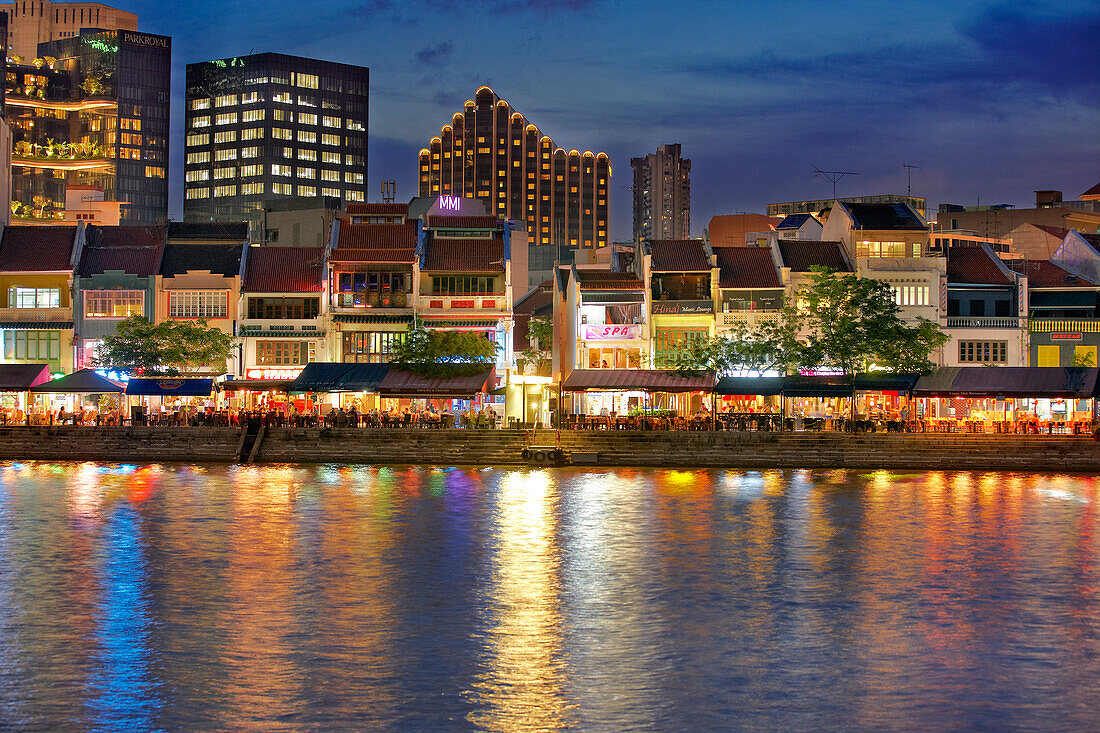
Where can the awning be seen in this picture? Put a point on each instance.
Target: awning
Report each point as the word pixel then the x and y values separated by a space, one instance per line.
pixel 882 382
pixel 824 386
pixel 21 377
pixel 36 325
pixel 162 386
pixel 612 297
pixel 369 318
pixel 340 377
pixel 937 382
pixel 766 386
pixel 1077 382
pixel 256 385
pixel 400 383
pixel 85 381
pixel 637 380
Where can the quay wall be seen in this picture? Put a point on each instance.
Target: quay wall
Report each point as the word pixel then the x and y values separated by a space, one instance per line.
pixel 503 447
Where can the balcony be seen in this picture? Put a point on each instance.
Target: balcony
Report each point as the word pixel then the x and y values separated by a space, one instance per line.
pixel 274 327
pixel 983 322
pixel 61 164
pixel 362 302
pixel 750 318
pixel 1064 325
pixel 36 315
pixel 471 302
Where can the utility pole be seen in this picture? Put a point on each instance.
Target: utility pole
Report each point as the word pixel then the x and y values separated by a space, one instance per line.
pixel 833 177
pixel 908 178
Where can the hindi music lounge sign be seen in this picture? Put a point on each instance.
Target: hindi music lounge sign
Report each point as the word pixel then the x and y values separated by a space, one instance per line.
pixel 682 307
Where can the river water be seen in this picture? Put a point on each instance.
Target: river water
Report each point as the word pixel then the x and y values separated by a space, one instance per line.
pixel 331 597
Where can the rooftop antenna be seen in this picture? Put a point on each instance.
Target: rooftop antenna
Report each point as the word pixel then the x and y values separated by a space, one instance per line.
pixel 908 178
pixel 833 176
pixel 389 191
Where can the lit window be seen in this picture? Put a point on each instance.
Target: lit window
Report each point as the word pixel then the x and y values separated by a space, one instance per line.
pixel 203 103
pixel 252 115
pixel 252 189
pixel 195 158
pixel 281 133
pixel 284 189
pixel 225 100
pixel 199 175
pixel 330 139
pixel 225 190
pixel 252 133
pixel 307 191
pixel 251 170
pixel 227 136
pixel 281 170
pixel 327 157
pixel 197 304
pixel 307 154
pixel 197 193
pixel 250 152
pixel 305 136
pixel 203 121
pixel 328 121
pixel 114 303
pixel 307 81
pixel 307 173
pixel 226 154
pixel 305 118
pixel 223 173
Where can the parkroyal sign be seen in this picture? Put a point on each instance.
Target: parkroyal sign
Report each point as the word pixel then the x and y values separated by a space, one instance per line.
pixel 609 331
pixel 272 373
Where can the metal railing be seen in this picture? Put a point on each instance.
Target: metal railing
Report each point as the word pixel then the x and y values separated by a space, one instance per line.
pixel 1064 325
pixel 983 322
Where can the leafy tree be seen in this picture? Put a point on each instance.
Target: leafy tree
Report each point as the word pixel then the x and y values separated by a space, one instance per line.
pixel 443 353
pixel 540 333
pixel 771 344
pixel 853 321
pixel 168 348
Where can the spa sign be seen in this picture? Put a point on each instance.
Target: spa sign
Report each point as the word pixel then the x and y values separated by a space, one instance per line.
pixel 612 331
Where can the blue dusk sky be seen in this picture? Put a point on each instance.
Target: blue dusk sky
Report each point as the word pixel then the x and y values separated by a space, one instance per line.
pixel 990 100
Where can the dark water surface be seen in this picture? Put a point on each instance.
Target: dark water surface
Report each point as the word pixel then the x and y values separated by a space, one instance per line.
pixel 290 598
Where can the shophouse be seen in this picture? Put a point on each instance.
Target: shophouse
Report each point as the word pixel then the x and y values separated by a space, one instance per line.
pixel 682 278
pixel 1063 314
pixel 282 311
pixel 799 226
pixel 750 286
pixel 115 279
pixel 986 310
pixel 372 278
pixel 36 279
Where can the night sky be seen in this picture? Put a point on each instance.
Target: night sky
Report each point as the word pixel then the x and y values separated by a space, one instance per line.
pixel 990 99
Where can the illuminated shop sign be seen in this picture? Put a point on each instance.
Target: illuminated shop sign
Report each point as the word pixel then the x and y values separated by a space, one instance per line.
pixel 450 203
pixel 269 373
pixel 682 307
pixel 611 331
pixel 145 39
pixel 1067 336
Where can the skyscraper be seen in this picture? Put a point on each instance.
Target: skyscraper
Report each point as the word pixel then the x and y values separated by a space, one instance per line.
pixel 662 195
pixel 92 111
pixel 491 152
pixel 270 126
pixel 41 21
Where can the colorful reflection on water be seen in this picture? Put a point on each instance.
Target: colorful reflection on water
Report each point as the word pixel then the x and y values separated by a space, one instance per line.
pixel 294 598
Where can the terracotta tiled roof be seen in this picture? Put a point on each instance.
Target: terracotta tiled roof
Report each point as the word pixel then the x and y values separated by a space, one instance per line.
pixel 464 255
pixel 746 267
pixel 378 209
pixel 729 230
pixel 403 256
pixel 608 280
pixel 1047 274
pixel 802 255
pixel 538 302
pixel 463 222
pixel 678 255
pixel 976 266
pixel 36 249
pixel 135 250
pixel 1057 232
pixel 884 217
pixel 284 270
pixel 220 259
pixel 378 236
pixel 1092 193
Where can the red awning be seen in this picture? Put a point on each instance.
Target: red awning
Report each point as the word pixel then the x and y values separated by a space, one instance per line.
pixel 399 383
pixel 638 380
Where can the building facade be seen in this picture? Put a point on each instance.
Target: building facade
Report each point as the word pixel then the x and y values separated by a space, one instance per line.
pixel 493 153
pixel 92 111
pixel 815 206
pixel 41 21
pixel 269 126
pixel 662 195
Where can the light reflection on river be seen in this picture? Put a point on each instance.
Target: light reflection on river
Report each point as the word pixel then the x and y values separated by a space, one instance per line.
pixel 304 597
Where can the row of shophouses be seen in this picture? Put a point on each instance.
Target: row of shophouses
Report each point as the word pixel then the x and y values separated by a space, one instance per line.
pixel 384 265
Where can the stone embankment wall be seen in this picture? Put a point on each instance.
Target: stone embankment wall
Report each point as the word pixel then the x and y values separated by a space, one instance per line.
pixel 503 447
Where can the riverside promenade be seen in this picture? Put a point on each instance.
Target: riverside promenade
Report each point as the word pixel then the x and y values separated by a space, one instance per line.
pixel 1058 453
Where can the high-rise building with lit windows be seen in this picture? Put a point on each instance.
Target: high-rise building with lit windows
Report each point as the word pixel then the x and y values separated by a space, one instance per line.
pixel 491 152
pixel 40 21
pixel 91 112
pixel 267 127
pixel 662 195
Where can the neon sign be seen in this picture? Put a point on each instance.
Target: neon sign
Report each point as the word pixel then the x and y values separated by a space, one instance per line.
pixel 272 373
pixel 600 333
pixel 450 203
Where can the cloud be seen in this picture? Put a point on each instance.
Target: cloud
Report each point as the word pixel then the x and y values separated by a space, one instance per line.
pixel 435 55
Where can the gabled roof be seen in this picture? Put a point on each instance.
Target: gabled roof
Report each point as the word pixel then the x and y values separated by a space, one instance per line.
pixel 678 255
pixel 746 267
pixel 284 270
pixel 378 209
pixel 976 266
pixel 36 249
pixel 464 255
pixel 135 250
pixel 803 255
pixel 729 230
pixel 538 300
pixel 1058 232
pixel 219 259
pixel 378 236
pixel 462 222
pixel 1092 193
pixel 223 231
pixel 608 280
pixel 403 256
pixel 1047 274
pixel 883 216
pixel 794 221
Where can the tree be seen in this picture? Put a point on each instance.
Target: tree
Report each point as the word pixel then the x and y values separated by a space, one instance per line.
pixel 443 353
pixel 168 348
pixel 540 334
pixel 852 322
pixel 769 345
